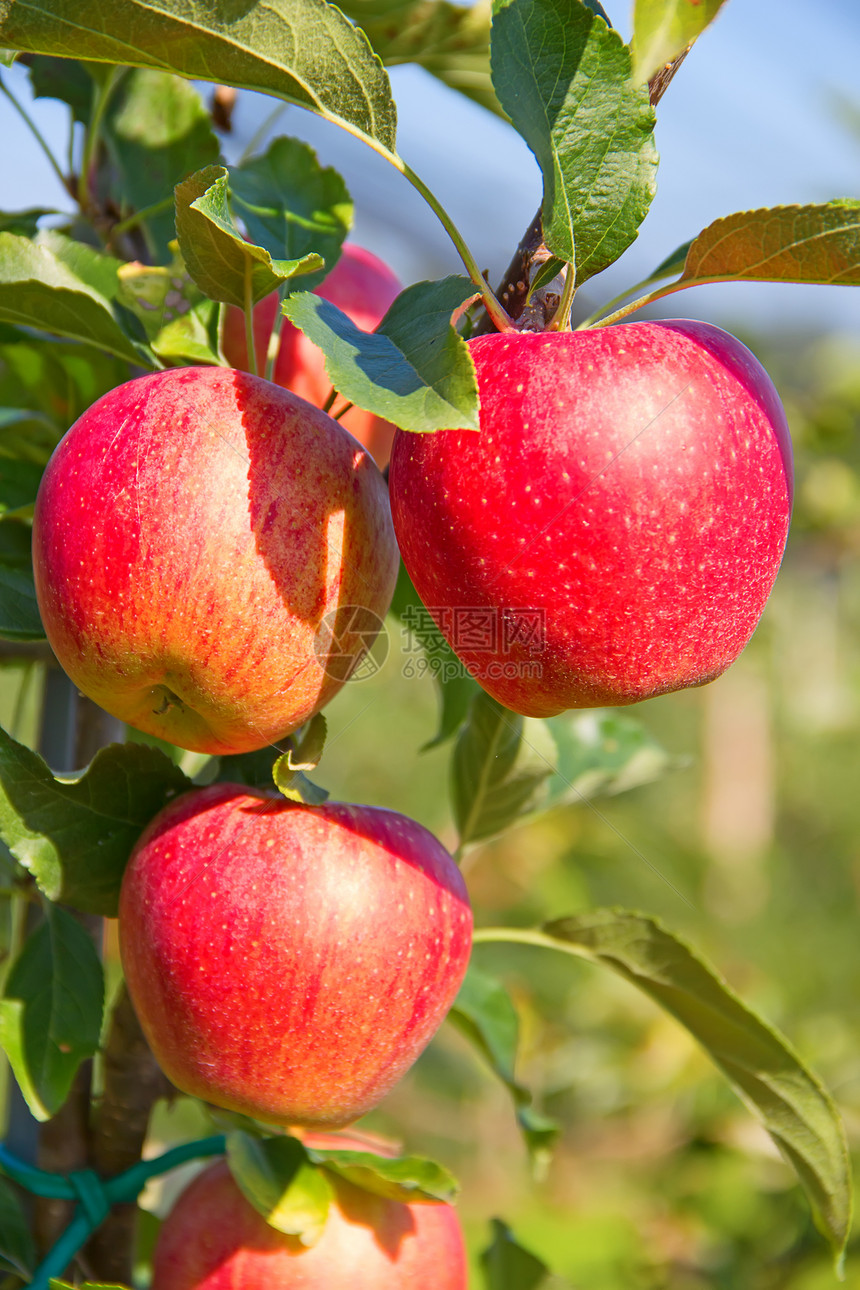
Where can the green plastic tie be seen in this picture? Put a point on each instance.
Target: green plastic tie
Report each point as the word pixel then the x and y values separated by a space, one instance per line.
pixel 90 1192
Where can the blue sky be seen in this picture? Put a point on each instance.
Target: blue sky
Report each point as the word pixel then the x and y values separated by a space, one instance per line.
pixel 750 120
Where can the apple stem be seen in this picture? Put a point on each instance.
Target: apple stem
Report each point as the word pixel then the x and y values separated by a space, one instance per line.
pixel 499 315
pixel 639 303
pixel 561 317
pixel 330 401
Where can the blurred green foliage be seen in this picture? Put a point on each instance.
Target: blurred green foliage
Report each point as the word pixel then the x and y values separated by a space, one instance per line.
pixel 750 849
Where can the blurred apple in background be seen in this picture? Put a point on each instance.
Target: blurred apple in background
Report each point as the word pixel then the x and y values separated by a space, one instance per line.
pixel 364 288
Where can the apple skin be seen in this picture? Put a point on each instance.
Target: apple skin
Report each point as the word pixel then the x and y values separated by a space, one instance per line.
pixel 286 961
pixel 192 531
pixel 214 1239
pixel 627 499
pixel 364 288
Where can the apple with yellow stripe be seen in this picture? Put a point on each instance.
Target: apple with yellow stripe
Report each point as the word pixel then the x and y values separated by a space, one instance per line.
pixel 212 556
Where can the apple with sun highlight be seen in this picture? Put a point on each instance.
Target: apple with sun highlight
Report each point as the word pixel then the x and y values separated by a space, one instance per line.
pixel 614 530
pixel 212 555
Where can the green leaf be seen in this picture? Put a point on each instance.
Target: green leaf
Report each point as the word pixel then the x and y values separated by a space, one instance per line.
pixel 759 1063
pixel 221 262
pixel 56 380
pixel 818 244
pixel 158 294
pixel 17 1250
pixel 291 205
pixel 19 481
pixel 86 1285
pixel 673 264
pixel 7 57
pixel 484 1013
pixel 39 289
pixel 414 370
pixel 456 687
pixel 599 753
pixel 304 752
pixel 550 269
pixel 253 768
pixel 508 1266
pixel 51 1010
pixel 19 611
pixel 563 77
pixel 75 837
pixel 192 337
pixel 405 1178
pixel 92 267
pixel 507 768
pixel 452 41
pixel 495 772
pixel 662 29
pixel 304 51
pixel 157 132
pixel 63 79
pixel 24 223
pixel 278 1178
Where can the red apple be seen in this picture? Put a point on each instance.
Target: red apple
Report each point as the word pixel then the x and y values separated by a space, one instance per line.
pixel 288 961
pixel 196 533
pixel 214 1239
pixel 615 529
pixel 364 288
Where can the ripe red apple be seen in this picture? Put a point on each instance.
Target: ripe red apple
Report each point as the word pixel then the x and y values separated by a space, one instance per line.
pixel 364 288
pixel 614 530
pixel 196 534
pixel 214 1239
pixel 289 961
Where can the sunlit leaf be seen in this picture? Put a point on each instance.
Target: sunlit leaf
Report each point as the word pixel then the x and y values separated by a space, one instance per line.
pixel 291 205
pixel 452 41
pixel 39 289
pixel 404 1178
pixel 222 263
pixel 75 836
pixel 304 51
pixel 563 77
pixel 414 370
pixel 818 244
pixel 662 29
pixel 278 1178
